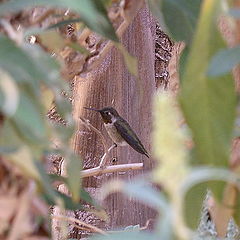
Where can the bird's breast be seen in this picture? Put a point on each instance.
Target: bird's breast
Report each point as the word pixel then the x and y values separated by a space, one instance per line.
pixel 114 135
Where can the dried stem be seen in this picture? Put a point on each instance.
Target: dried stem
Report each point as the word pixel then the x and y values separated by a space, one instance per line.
pixel 88 125
pixel 104 159
pixel 88 226
pixel 110 169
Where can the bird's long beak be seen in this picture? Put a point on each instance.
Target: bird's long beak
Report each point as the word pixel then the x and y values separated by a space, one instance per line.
pixel 92 109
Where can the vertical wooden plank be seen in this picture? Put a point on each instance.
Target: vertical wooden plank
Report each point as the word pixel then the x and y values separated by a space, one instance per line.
pixel 112 85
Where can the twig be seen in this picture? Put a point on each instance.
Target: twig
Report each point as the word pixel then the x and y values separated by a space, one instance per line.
pixel 104 159
pixel 88 125
pixel 110 169
pixel 89 226
pixel 147 224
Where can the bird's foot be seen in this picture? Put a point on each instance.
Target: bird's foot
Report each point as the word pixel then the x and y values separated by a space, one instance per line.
pixel 102 166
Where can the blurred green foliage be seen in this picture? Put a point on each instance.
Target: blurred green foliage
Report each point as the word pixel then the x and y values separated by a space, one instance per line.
pixel 30 80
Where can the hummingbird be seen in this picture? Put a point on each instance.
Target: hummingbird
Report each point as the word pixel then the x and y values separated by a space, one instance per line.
pixel 119 130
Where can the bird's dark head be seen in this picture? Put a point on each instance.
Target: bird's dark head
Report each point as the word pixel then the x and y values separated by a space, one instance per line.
pixel 109 114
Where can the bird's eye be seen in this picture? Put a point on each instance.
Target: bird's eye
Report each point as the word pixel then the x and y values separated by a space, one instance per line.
pixel 108 113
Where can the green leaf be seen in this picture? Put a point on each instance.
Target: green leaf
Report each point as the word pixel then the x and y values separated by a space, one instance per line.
pixel 237 207
pixel 9 137
pixel 74 167
pixel 47 98
pixel 29 119
pixel 10 94
pixel 146 194
pixel 23 158
pixel 183 61
pixel 55 177
pixel 208 103
pixel 53 40
pixel 92 12
pixel 224 61
pixel 180 17
pixel 67 201
pixel 64 133
pixel 17 63
pixel 46 69
pixel 155 7
pixel 196 185
pixel 130 61
pixel 78 48
pixel 193 203
pixel 64 108
pixel 30 65
pixel 84 195
pixel 65 22
pixel 204 174
pixel 45 183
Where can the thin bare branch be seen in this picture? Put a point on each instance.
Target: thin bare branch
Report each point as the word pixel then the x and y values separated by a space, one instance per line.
pixel 104 159
pixel 110 169
pixel 88 125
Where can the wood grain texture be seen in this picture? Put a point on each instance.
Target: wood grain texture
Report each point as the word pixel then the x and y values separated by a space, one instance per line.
pixel 112 85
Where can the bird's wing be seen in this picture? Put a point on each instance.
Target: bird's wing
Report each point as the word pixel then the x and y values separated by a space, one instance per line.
pixel 130 137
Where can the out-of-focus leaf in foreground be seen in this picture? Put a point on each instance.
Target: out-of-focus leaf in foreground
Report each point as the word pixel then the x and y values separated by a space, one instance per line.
pixel 10 94
pixel 29 119
pixel 130 61
pixel 195 187
pixel 147 194
pixel 224 61
pixel 179 16
pixel 92 12
pixel 208 103
pixel 74 167
pixel 18 63
pixel 23 158
pixel 52 40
